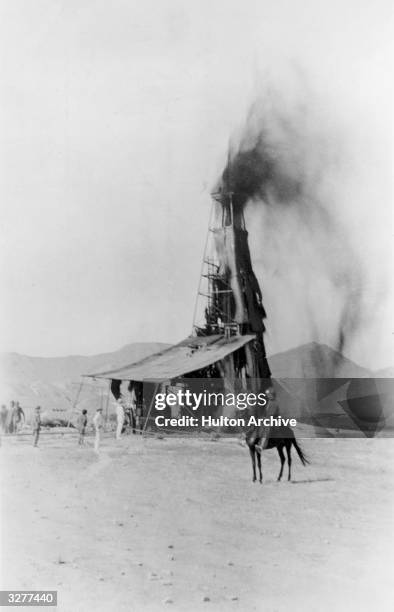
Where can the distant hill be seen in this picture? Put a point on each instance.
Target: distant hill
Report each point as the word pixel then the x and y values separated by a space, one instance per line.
pixel 53 382
pixel 320 387
pixel 315 360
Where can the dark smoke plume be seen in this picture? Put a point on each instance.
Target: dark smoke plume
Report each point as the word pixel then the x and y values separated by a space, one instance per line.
pixel 286 173
pixel 254 173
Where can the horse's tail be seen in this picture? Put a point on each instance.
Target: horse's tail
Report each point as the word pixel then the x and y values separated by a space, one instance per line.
pixel 301 455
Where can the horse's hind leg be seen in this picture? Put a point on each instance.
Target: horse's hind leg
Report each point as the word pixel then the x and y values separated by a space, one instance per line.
pixel 253 458
pixel 282 461
pixel 288 451
pixel 258 452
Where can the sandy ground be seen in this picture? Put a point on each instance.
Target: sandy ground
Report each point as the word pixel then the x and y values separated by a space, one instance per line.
pixel 175 523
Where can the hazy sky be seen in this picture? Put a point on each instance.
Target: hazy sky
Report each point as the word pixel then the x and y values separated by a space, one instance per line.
pixel 116 117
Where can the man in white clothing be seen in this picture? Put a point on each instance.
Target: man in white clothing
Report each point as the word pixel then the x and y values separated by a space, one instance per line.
pixel 98 425
pixel 119 418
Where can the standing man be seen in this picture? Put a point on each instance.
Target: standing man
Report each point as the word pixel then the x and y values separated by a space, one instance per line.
pixel 119 418
pixel 81 424
pixel 36 425
pixel 11 417
pixel 133 406
pixel 130 410
pixel 3 419
pixel 18 415
pixel 98 425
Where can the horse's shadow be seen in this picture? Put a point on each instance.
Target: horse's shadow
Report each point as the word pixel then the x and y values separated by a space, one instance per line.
pixel 312 480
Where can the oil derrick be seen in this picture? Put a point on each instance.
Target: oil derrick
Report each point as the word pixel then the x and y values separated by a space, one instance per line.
pixel 229 288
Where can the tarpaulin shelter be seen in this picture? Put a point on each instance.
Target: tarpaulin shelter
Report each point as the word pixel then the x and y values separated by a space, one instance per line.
pixel 193 354
pixel 221 361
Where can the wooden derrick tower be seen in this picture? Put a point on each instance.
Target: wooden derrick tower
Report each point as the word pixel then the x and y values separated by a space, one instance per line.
pixel 229 290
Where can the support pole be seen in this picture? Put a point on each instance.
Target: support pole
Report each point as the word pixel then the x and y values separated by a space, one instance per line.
pixel 76 401
pixel 150 408
pixel 106 404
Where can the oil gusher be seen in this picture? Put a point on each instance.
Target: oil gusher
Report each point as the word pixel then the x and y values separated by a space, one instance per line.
pixel 233 298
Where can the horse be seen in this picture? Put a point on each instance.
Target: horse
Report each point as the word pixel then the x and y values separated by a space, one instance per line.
pixel 284 438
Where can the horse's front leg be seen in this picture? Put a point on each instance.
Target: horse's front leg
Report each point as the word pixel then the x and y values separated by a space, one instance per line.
pixel 288 450
pixel 253 458
pixel 282 461
pixel 258 451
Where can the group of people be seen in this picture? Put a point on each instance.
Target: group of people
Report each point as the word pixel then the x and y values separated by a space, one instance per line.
pixel 12 419
pixel 126 416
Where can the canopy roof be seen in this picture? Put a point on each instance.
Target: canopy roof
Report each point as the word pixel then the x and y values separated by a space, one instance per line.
pixel 193 353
